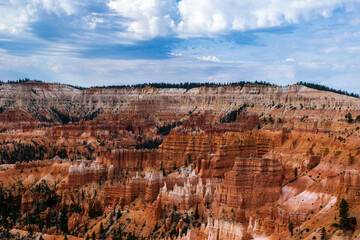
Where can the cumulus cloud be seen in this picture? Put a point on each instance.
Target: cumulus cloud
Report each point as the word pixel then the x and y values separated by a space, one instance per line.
pixel 16 15
pixel 314 65
pixel 146 18
pixel 209 58
pixel 353 49
pixel 176 54
pixel 93 21
pixel 152 18
pixel 213 16
pixel 330 50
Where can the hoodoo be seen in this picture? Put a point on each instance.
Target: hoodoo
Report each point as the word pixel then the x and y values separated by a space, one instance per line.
pixel 241 161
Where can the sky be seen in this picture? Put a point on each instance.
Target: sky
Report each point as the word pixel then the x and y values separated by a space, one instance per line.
pixel 114 42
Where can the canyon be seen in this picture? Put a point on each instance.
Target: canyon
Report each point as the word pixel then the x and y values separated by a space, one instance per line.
pixel 237 162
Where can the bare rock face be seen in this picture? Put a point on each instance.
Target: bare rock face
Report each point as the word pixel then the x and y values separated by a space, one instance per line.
pixel 75 220
pixel 313 161
pixel 155 181
pixel 229 162
pixel 222 229
pixel 158 209
pixel 132 160
pixel 349 186
pixel 179 149
pixel 261 226
pixel 190 235
pixel 147 186
pixel 40 97
pixel 180 197
pixel 251 183
pixel 27 201
pixel 231 147
pixel 85 172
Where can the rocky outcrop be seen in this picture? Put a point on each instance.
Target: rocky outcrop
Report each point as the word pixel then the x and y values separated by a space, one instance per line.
pixel 179 149
pixel 252 182
pixel 39 98
pixel 266 226
pixel 233 146
pixel 28 201
pixel 222 229
pixel 158 208
pixel 35 164
pixel 180 197
pixel 155 181
pixel 349 187
pixel 247 159
pixel 85 172
pixel 131 160
pixel 76 220
pixel 147 186
pixel 190 235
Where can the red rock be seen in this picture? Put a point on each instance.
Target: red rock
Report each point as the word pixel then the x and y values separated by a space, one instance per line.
pixel 251 183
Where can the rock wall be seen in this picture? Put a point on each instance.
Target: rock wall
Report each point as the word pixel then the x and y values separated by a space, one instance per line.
pixel 131 160
pixel 233 146
pixel 349 187
pixel 219 229
pixel 251 183
pixel 85 172
pixel 40 97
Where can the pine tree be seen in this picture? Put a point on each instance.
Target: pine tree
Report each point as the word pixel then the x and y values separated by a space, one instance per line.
pixel 118 214
pixel 349 118
pixel 31 231
pixel 63 220
pixel 344 213
pixel 119 232
pixel 102 232
pixel 48 218
pixel 323 233
pixel 291 228
pixel 196 214
pixel 164 173
pixel 93 236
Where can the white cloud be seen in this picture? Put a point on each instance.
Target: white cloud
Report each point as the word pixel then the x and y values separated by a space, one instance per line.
pixel 289 60
pixel 56 68
pixel 146 18
pixel 16 15
pixel 93 21
pixel 353 49
pixel 209 58
pixel 339 67
pixel 176 54
pixel 213 16
pixel 313 65
pixel 152 18
pixel 57 6
pixel 279 72
pixel 330 50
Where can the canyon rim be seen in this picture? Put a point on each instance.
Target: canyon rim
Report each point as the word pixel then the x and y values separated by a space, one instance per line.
pixel 213 161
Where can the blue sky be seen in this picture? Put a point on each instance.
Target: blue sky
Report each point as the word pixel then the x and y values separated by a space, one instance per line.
pixel 135 41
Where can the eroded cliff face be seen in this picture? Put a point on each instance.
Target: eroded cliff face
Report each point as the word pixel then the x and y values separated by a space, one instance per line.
pixel 251 183
pixel 206 163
